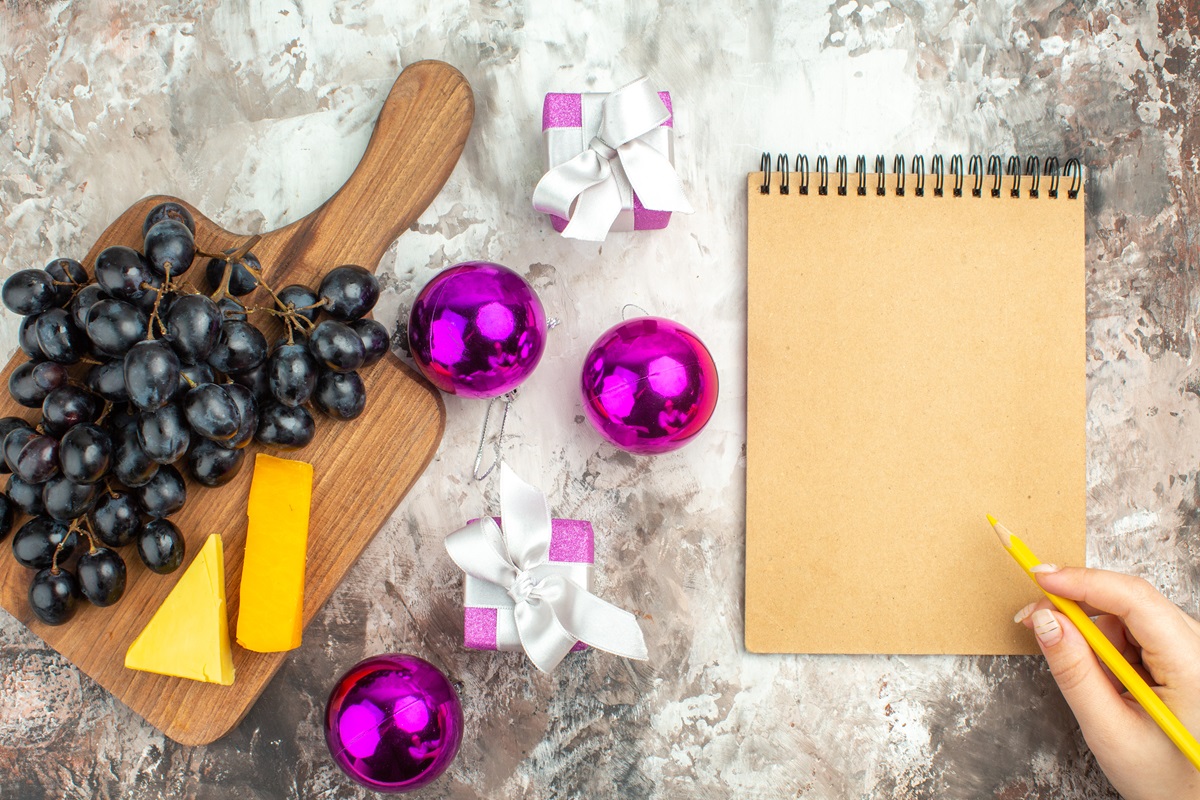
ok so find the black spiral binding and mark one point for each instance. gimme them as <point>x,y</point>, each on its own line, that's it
<point>997,169</point>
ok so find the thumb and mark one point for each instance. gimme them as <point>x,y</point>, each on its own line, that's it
<point>1098,706</point>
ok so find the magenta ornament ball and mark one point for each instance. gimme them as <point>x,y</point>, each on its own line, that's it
<point>393,723</point>
<point>477,329</point>
<point>649,385</point>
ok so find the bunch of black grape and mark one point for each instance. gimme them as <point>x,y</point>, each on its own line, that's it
<point>138,375</point>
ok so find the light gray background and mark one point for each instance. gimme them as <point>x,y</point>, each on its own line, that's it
<point>256,116</point>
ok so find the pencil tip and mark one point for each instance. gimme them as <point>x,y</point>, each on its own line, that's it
<point>1002,533</point>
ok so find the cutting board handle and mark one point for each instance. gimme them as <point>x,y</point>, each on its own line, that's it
<point>429,109</point>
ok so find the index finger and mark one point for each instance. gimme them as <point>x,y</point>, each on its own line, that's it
<point>1154,620</point>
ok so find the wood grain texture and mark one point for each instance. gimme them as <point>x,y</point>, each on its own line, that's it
<point>362,468</point>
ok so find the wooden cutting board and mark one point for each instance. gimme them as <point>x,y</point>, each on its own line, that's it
<point>362,468</point>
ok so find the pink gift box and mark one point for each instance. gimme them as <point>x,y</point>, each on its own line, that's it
<point>488,622</point>
<point>563,129</point>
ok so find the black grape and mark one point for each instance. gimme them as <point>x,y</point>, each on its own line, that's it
<point>27,496</point>
<point>302,299</point>
<point>161,546</point>
<point>35,541</point>
<point>375,339</point>
<point>284,427</point>
<point>58,337</point>
<point>257,380</point>
<point>37,462</point>
<point>164,494</point>
<point>65,500</point>
<point>231,309</point>
<point>152,285</point>
<point>32,381</point>
<point>151,374</point>
<point>7,426</point>
<point>169,244</point>
<point>168,210</point>
<point>53,595</point>
<point>116,518</point>
<point>69,276</point>
<point>114,326</point>
<point>191,375</point>
<point>101,575</point>
<point>85,453</point>
<point>108,381</point>
<point>122,271</point>
<point>66,407</point>
<point>82,304</point>
<point>28,291</point>
<point>15,441</point>
<point>27,337</point>
<point>132,465</point>
<point>211,412</point>
<point>8,509</point>
<point>247,407</point>
<point>240,347</point>
<point>241,282</point>
<point>212,464</point>
<point>349,292</point>
<point>193,325</point>
<point>163,434</point>
<point>340,395</point>
<point>292,372</point>
<point>123,416</point>
<point>337,347</point>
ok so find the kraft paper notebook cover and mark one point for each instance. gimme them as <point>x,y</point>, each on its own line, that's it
<point>915,361</point>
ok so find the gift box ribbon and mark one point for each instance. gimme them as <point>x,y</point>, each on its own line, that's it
<point>592,188</point>
<point>552,611</point>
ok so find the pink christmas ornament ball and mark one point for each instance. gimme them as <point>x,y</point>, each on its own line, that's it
<point>649,385</point>
<point>393,723</point>
<point>477,329</point>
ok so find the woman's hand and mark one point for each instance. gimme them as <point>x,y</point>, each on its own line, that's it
<point>1163,645</point>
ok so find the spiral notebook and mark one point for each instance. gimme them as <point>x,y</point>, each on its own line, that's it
<point>915,361</point>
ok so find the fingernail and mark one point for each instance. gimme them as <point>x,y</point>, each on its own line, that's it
<point>1041,569</point>
<point>1024,613</point>
<point>1046,627</point>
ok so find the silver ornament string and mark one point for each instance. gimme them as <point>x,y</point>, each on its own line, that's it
<point>625,308</point>
<point>507,399</point>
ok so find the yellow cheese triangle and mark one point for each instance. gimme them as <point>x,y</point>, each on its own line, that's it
<point>188,637</point>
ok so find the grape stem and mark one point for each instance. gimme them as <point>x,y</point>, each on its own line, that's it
<point>233,253</point>
<point>76,288</point>
<point>108,406</point>
<point>158,295</point>
<point>232,256</point>
<point>86,529</point>
<point>292,319</point>
<point>54,558</point>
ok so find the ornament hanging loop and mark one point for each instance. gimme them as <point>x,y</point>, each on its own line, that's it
<point>507,399</point>
<point>625,311</point>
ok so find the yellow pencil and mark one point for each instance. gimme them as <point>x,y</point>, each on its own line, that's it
<point>1105,651</point>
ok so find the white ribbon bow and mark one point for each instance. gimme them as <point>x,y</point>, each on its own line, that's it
<point>552,611</point>
<point>590,190</point>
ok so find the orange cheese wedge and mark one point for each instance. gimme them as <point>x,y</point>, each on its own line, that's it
<point>188,636</point>
<point>272,593</point>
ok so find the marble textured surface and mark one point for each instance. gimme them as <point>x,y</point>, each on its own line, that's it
<point>258,111</point>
